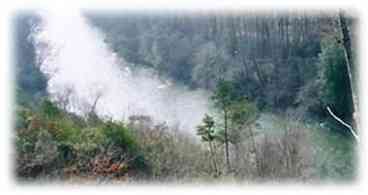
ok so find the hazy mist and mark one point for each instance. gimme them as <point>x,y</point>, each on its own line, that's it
<point>75,58</point>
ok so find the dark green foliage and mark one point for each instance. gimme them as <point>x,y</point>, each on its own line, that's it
<point>336,91</point>
<point>206,130</point>
<point>249,88</point>
<point>140,163</point>
<point>241,116</point>
<point>240,110</point>
<point>118,134</point>
<point>224,94</point>
<point>49,109</point>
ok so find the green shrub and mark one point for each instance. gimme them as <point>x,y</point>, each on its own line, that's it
<point>89,140</point>
<point>118,134</point>
<point>49,109</point>
<point>21,115</point>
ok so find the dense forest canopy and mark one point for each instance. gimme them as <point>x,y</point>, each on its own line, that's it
<point>273,58</point>
<point>268,77</point>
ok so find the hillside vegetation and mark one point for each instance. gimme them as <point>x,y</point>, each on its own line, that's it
<point>269,79</point>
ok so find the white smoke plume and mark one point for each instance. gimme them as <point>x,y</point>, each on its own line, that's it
<point>76,60</point>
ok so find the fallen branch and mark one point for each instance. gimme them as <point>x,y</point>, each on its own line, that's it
<point>343,123</point>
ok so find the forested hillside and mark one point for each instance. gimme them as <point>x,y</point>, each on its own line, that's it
<point>254,85</point>
<point>278,60</point>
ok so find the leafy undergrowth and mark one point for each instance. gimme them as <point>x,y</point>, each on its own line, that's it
<point>52,145</point>
<point>61,146</point>
<point>56,146</point>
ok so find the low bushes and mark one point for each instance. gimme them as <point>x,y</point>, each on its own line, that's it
<point>172,155</point>
<point>50,142</point>
<point>285,156</point>
<point>62,146</point>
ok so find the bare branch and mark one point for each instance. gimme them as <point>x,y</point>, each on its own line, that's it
<point>93,106</point>
<point>343,123</point>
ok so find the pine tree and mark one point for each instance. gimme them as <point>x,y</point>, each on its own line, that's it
<point>207,133</point>
<point>223,97</point>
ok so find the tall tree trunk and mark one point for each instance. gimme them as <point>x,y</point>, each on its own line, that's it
<point>213,157</point>
<point>262,80</point>
<point>228,167</point>
<point>218,172</point>
<point>349,65</point>
<point>254,150</point>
